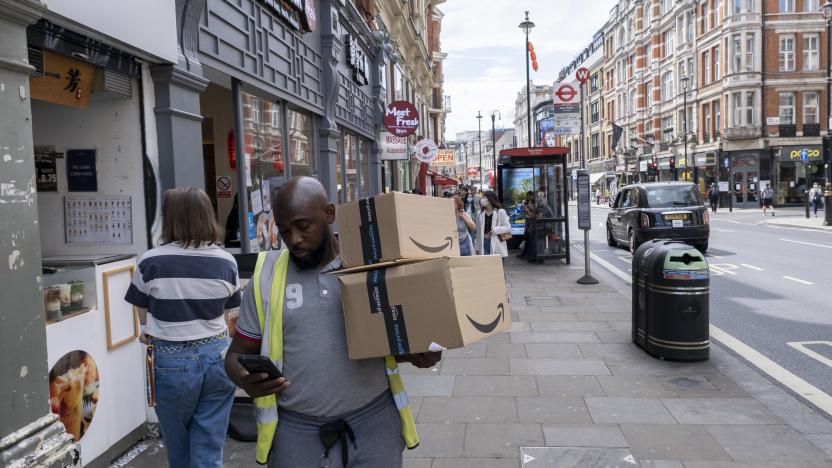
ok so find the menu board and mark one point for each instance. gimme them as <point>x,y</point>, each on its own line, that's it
<point>98,220</point>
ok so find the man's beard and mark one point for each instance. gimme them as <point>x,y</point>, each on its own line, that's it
<point>313,260</point>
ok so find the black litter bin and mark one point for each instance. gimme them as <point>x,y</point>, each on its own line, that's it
<point>671,286</point>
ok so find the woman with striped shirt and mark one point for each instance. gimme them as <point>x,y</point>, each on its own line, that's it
<point>182,290</point>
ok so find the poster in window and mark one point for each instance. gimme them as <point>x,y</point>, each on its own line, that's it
<point>46,172</point>
<point>81,173</point>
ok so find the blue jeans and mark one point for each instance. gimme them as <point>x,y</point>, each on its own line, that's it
<point>486,246</point>
<point>193,402</point>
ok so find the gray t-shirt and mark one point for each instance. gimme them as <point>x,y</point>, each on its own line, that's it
<point>324,381</point>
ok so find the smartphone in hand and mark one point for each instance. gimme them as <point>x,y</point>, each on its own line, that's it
<point>259,365</point>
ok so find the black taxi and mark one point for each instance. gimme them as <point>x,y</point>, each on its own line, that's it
<point>660,210</point>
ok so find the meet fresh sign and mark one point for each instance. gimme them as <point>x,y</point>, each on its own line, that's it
<point>401,118</point>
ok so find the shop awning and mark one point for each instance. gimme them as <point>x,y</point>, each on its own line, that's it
<point>595,176</point>
<point>442,180</point>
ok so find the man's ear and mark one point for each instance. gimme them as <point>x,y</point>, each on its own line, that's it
<point>330,213</point>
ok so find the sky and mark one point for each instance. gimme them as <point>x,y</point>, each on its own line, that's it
<point>486,67</point>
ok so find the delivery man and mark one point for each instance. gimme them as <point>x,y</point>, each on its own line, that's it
<point>328,410</point>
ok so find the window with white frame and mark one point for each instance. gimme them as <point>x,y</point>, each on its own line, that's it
<point>810,107</point>
<point>667,124</point>
<point>595,143</point>
<point>594,114</point>
<point>810,52</point>
<point>633,101</point>
<point>680,30</point>
<point>787,53</point>
<point>811,5</point>
<point>750,45</point>
<point>621,42</point>
<point>662,7</point>
<point>680,71</point>
<point>706,17</point>
<point>690,73</point>
<point>708,130</point>
<point>738,6</point>
<point>743,6</point>
<point>649,52</point>
<point>667,86</point>
<point>716,63</point>
<point>750,97</point>
<point>706,67</point>
<point>717,117</point>
<point>689,26</point>
<point>649,91</point>
<point>736,102</point>
<point>668,43</point>
<point>786,108</point>
<point>630,28</point>
<point>717,11</point>
<point>647,12</point>
<point>736,41</point>
<point>786,6</point>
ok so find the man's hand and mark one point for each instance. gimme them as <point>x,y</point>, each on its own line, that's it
<point>258,385</point>
<point>423,360</point>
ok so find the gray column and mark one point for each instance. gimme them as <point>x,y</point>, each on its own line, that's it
<point>29,433</point>
<point>329,134</point>
<point>178,119</point>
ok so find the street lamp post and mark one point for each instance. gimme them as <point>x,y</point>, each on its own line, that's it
<point>685,80</point>
<point>827,206</point>
<point>479,138</point>
<point>527,26</point>
<point>494,142</point>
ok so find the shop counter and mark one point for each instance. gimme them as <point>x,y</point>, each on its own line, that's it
<point>96,378</point>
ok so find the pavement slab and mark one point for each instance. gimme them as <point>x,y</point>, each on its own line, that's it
<point>765,443</point>
<point>719,411</point>
<point>628,410</point>
<point>634,386</point>
<point>468,409</point>
<point>549,410</point>
<point>439,440</point>
<point>551,366</point>
<point>494,350</point>
<point>569,386</point>
<point>584,435</point>
<point>672,442</point>
<point>429,385</point>
<point>501,440</point>
<point>502,385</point>
<point>552,350</point>
<point>475,366</point>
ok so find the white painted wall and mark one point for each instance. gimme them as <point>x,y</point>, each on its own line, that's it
<point>112,127</point>
<point>146,25</point>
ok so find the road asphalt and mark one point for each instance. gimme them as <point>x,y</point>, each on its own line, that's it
<point>771,286</point>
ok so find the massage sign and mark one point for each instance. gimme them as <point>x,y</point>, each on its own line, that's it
<point>401,118</point>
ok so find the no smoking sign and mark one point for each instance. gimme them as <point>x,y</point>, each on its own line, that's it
<point>223,187</point>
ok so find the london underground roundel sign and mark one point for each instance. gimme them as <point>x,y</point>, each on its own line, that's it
<point>401,118</point>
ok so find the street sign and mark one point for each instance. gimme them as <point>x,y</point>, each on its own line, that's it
<point>401,118</point>
<point>584,221</point>
<point>426,150</point>
<point>582,74</point>
<point>567,109</point>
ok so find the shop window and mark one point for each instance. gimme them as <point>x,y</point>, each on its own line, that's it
<point>364,160</point>
<point>350,168</point>
<point>787,108</point>
<point>301,143</point>
<point>263,137</point>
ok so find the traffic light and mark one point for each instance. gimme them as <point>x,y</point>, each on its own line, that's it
<point>532,56</point>
<point>673,163</point>
<point>653,168</point>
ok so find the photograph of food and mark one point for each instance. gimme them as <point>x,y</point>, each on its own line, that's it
<point>73,391</point>
<point>274,236</point>
<point>262,232</point>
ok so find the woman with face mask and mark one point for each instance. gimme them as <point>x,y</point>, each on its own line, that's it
<point>492,226</point>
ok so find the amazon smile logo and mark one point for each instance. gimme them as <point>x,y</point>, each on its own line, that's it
<point>488,327</point>
<point>449,242</point>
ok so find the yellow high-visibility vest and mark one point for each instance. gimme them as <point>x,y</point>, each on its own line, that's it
<point>271,328</point>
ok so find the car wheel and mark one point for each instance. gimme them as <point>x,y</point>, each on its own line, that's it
<point>633,244</point>
<point>703,247</point>
<point>610,239</point>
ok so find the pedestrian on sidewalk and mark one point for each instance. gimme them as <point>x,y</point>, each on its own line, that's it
<point>493,227</point>
<point>336,411</point>
<point>182,290</point>
<point>768,199</point>
<point>464,226</point>
<point>713,196</point>
<point>529,214</point>
<point>598,195</point>
<point>816,197</point>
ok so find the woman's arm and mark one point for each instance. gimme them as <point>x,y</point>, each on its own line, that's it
<point>503,226</point>
<point>468,221</point>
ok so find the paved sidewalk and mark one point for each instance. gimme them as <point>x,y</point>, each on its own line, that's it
<point>568,378</point>
<point>798,221</point>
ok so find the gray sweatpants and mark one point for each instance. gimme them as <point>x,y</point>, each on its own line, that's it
<point>378,438</point>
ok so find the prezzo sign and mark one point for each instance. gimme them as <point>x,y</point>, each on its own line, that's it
<point>401,118</point>
<point>358,61</point>
<point>296,13</point>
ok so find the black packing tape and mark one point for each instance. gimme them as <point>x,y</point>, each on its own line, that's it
<point>370,239</point>
<point>393,315</point>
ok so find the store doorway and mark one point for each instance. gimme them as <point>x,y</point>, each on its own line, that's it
<point>746,188</point>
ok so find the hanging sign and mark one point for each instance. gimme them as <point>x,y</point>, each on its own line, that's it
<point>566,109</point>
<point>401,118</point>
<point>65,81</point>
<point>392,148</point>
<point>426,150</point>
<point>81,174</point>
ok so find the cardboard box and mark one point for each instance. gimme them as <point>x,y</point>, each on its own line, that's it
<point>417,307</point>
<point>395,226</point>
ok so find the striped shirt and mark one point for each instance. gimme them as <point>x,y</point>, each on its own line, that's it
<point>185,291</point>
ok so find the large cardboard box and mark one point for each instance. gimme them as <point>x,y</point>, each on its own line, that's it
<point>395,226</point>
<point>426,305</point>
